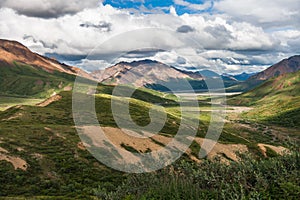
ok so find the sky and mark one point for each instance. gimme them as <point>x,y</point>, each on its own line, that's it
<point>227,36</point>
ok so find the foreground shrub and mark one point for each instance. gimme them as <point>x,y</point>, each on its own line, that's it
<point>273,178</point>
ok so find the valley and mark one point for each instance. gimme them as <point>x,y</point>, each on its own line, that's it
<point>42,156</point>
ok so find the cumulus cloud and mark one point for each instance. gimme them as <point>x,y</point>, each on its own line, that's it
<point>48,8</point>
<point>219,32</point>
<point>185,29</point>
<point>263,12</point>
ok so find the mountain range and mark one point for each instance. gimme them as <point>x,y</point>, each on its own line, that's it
<point>22,69</point>
<point>211,74</point>
<point>156,75</point>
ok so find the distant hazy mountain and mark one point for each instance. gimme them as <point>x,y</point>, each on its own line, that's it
<point>209,73</point>
<point>205,73</point>
<point>226,77</point>
<point>243,76</point>
<point>239,77</point>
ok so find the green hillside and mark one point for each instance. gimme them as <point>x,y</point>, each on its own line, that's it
<point>46,139</point>
<point>27,81</point>
<point>275,101</point>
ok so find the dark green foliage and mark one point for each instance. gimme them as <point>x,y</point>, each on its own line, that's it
<point>270,152</point>
<point>273,178</point>
<point>195,147</point>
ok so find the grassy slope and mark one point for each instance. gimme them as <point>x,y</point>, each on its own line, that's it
<point>64,169</point>
<point>275,101</point>
<point>27,81</point>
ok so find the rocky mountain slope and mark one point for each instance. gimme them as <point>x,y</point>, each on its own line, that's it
<point>12,52</point>
<point>157,76</point>
<point>141,73</point>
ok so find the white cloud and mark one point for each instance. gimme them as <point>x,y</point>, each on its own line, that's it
<point>248,37</point>
<point>48,8</point>
<point>173,11</point>
<point>93,65</point>
<point>287,36</point>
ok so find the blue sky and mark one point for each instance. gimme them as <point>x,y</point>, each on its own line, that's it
<point>181,6</point>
